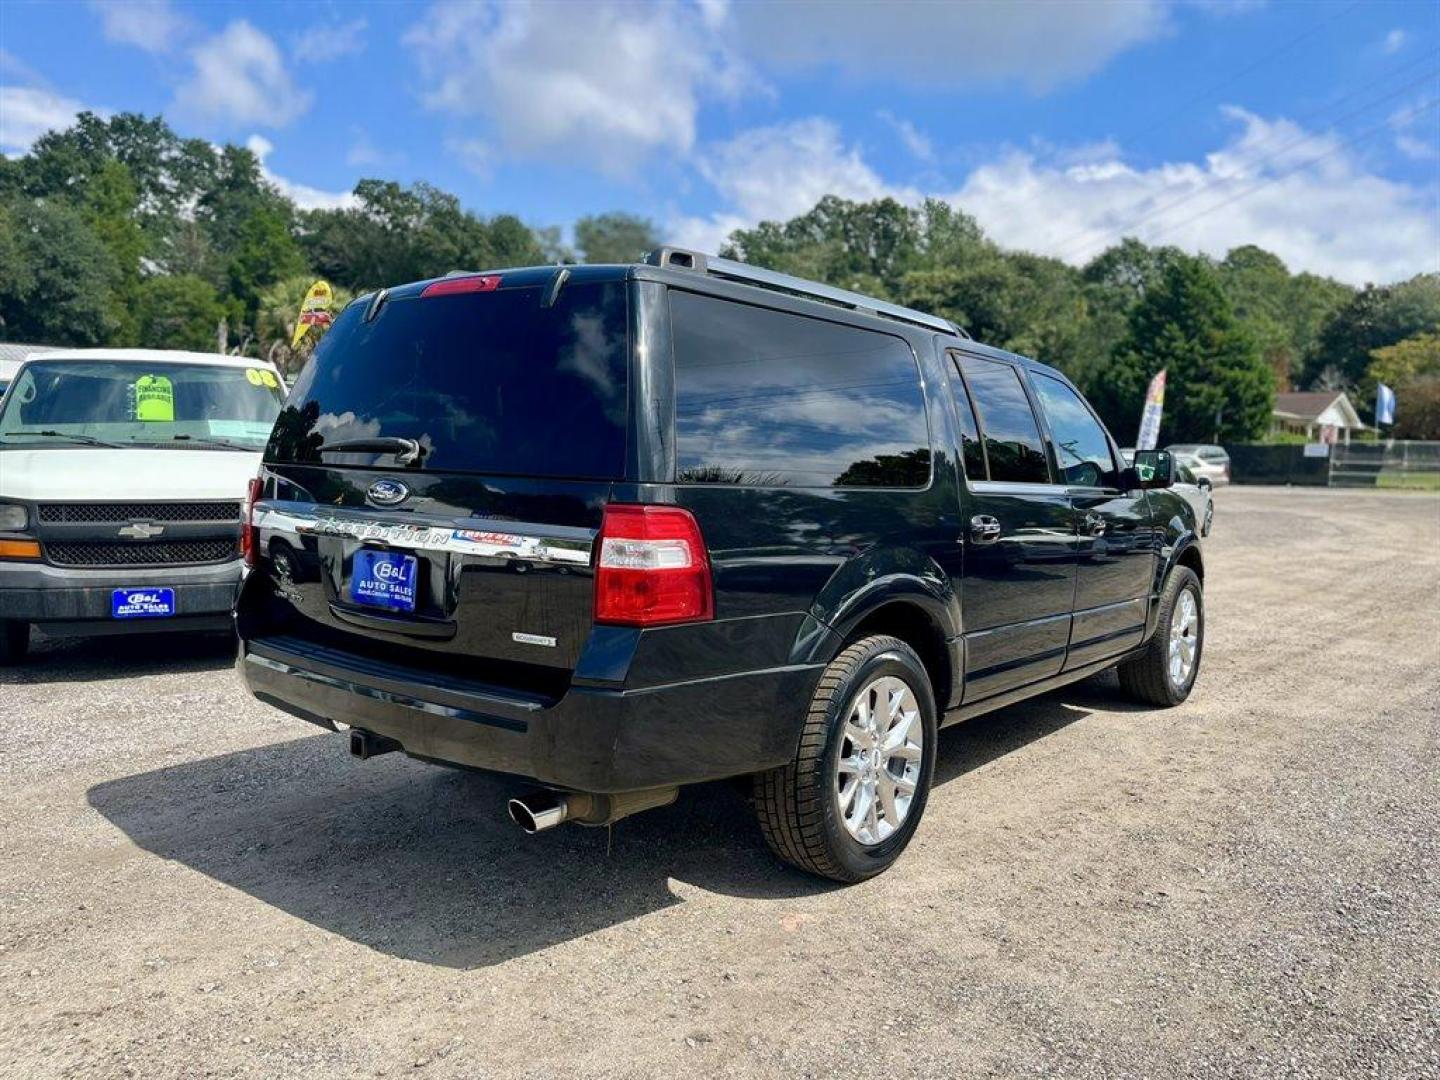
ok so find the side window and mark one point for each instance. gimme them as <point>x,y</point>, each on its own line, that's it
<point>971,451</point>
<point>1081,447</point>
<point>767,398</point>
<point>1007,423</point>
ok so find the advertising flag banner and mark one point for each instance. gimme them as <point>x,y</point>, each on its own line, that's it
<point>1150,418</point>
<point>1384,404</point>
<point>314,311</point>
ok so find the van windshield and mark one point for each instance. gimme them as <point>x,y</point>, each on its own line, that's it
<point>488,382</point>
<point>125,403</point>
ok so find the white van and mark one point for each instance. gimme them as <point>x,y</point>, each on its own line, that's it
<point>122,473</point>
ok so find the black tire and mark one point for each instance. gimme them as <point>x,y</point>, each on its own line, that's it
<point>1147,677</point>
<point>14,642</point>
<point>799,817</point>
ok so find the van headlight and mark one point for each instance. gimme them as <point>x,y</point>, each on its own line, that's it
<point>13,518</point>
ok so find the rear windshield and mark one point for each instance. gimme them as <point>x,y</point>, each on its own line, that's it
<point>136,403</point>
<point>486,382</point>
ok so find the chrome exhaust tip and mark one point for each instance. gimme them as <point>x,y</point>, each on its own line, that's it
<point>538,811</point>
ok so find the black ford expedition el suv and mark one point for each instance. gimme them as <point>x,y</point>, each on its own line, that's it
<point>618,529</point>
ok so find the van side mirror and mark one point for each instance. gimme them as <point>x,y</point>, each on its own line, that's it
<point>1152,469</point>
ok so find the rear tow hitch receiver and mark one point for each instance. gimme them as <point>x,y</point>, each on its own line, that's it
<point>366,744</point>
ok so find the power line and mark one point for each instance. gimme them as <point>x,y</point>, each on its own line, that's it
<point>1417,111</point>
<point>1069,247</point>
<point>1254,65</point>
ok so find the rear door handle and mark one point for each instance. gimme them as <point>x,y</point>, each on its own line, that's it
<point>984,529</point>
<point>1094,525</point>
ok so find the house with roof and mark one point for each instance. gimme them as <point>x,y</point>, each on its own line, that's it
<point>1320,415</point>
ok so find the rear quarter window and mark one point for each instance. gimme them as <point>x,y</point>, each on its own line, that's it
<point>768,398</point>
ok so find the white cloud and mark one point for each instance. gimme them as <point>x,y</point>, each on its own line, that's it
<point>324,42</point>
<point>1420,117</point>
<point>302,195</point>
<point>774,173</point>
<point>908,41</point>
<point>12,66</point>
<point>26,113</point>
<point>911,137</point>
<point>1331,217</point>
<point>1394,41</point>
<point>1264,186</point>
<point>152,25</point>
<point>602,84</point>
<point>477,155</point>
<point>241,78</point>
<point>363,152</point>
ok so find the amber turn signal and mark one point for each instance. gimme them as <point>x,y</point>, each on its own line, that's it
<point>19,549</point>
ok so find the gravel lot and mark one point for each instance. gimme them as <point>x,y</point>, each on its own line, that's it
<point>192,884</point>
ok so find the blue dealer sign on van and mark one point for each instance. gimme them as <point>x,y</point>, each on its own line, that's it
<point>142,603</point>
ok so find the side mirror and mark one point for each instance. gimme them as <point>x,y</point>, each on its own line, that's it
<point>1153,469</point>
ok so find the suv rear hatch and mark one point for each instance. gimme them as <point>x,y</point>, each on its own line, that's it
<point>433,487</point>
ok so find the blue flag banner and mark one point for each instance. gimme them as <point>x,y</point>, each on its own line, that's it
<point>1384,404</point>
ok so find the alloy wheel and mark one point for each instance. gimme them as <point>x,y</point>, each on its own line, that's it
<point>1184,638</point>
<point>881,753</point>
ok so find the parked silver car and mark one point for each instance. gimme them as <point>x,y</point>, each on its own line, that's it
<point>1197,490</point>
<point>1205,460</point>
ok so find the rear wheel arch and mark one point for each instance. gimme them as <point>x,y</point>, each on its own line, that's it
<point>910,622</point>
<point>1189,556</point>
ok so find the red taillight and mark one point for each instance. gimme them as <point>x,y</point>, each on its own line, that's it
<point>652,567</point>
<point>249,534</point>
<point>467,284</point>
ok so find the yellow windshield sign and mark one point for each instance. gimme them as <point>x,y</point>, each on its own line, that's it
<point>154,400</point>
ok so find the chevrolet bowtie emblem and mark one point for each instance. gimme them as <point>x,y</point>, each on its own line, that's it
<point>140,531</point>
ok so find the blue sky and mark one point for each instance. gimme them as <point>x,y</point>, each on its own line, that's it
<point>1310,128</point>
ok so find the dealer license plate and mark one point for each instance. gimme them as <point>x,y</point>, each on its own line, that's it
<point>384,579</point>
<point>142,603</point>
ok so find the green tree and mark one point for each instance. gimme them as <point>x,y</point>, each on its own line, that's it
<point>56,291</point>
<point>1374,317</point>
<point>179,312</point>
<point>1417,408</point>
<point>264,252</point>
<point>109,207</point>
<point>1406,360</point>
<point>616,237</point>
<point>868,247</point>
<point>1218,384</point>
<point>1257,284</point>
<point>397,234</point>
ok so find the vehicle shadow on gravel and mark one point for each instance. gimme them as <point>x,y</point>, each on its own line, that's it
<point>120,656</point>
<point>422,863</point>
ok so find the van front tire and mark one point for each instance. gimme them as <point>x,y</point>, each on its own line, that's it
<point>848,804</point>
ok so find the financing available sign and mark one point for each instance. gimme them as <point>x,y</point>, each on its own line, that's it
<point>1150,418</point>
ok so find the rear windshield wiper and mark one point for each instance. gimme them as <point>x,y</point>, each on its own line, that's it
<point>406,451</point>
<point>221,443</point>
<point>87,440</point>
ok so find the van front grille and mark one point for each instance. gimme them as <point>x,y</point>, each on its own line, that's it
<point>155,553</point>
<point>106,513</point>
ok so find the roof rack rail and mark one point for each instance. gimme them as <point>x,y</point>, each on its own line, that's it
<point>731,270</point>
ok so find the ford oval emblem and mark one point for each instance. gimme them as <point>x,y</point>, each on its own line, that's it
<point>387,493</point>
